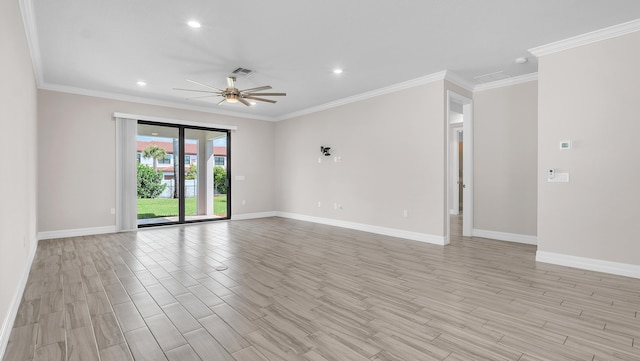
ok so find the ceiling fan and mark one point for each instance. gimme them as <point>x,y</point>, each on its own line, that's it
<point>232,95</point>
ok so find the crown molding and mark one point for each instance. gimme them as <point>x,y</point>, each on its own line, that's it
<point>31,32</point>
<point>588,38</point>
<point>459,81</point>
<point>370,94</point>
<point>506,82</point>
<point>142,100</point>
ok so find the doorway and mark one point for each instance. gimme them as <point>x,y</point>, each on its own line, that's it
<point>460,164</point>
<point>183,174</point>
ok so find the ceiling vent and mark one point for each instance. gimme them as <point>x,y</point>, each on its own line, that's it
<point>244,72</point>
<point>487,78</point>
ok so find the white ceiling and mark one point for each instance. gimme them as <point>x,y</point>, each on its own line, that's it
<point>105,47</point>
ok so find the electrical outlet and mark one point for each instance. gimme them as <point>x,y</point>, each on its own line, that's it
<point>559,178</point>
<point>406,213</point>
<point>113,211</point>
<point>244,202</point>
<point>319,204</point>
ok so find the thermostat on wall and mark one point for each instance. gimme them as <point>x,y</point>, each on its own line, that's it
<point>565,144</point>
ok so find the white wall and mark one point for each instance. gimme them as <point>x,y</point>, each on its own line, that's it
<point>18,148</point>
<point>589,95</point>
<point>77,192</point>
<point>505,159</point>
<point>392,150</point>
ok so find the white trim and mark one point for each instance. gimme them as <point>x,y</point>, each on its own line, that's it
<point>467,128</point>
<point>453,166</point>
<point>7,325</point>
<point>370,94</point>
<point>393,232</point>
<point>506,82</point>
<point>143,100</point>
<point>592,264</point>
<point>30,29</point>
<point>459,81</point>
<point>240,217</point>
<point>503,236</point>
<point>172,121</point>
<point>588,38</point>
<point>76,232</point>
<point>467,172</point>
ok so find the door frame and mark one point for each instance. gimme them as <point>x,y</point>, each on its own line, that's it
<point>467,155</point>
<point>179,180</point>
<point>456,129</point>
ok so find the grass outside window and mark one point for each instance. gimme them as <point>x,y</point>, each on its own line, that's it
<point>168,207</point>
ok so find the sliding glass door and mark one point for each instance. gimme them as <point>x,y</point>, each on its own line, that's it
<point>183,174</point>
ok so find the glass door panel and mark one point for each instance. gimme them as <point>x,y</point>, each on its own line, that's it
<point>157,148</point>
<point>206,174</point>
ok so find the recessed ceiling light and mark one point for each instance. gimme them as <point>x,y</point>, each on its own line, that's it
<point>521,60</point>
<point>337,71</point>
<point>194,24</point>
<point>141,83</point>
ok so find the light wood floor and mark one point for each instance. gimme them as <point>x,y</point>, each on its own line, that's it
<point>301,291</point>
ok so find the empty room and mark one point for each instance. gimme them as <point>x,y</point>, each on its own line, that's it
<point>322,181</point>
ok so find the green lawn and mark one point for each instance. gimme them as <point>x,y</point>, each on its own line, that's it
<point>168,207</point>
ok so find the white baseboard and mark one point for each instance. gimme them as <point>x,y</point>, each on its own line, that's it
<point>509,237</point>
<point>393,232</point>
<point>112,229</point>
<point>240,217</point>
<point>591,264</point>
<point>7,325</point>
<point>76,232</point>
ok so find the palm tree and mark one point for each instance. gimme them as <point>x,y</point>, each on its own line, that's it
<point>155,152</point>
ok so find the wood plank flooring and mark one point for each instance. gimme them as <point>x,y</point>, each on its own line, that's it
<point>277,289</point>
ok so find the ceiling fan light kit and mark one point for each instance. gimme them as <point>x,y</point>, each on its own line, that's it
<point>232,95</point>
<point>232,98</point>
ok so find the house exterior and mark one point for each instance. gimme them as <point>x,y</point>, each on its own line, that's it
<point>191,156</point>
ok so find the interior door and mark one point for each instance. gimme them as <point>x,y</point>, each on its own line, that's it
<point>465,106</point>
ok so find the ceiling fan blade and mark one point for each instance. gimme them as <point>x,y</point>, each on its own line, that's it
<point>199,91</point>
<point>269,94</point>
<point>204,96</point>
<point>244,102</point>
<point>260,99</point>
<point>204,85</point>
<point>222,101</point>
<point>256,89</point>
<point>231,82</point>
